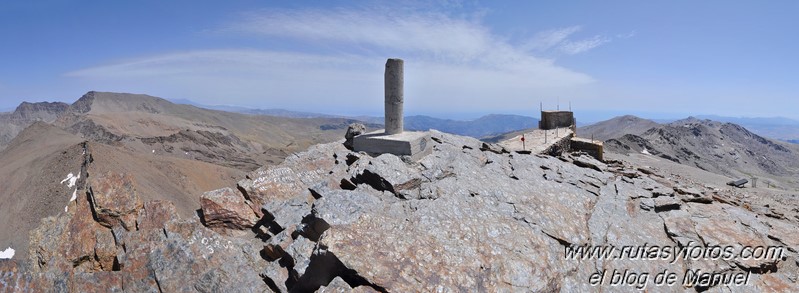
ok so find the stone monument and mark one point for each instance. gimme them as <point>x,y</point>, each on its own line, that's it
<point>394,90</point>
<point>393,139</point>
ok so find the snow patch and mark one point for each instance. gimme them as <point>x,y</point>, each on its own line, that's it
<point>71,179</point>
<point>8,253</point>
<point>153,151</point>
<point>645,152</point>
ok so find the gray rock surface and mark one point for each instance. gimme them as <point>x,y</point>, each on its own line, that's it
<point>353,130</point>
<point>471,220</point>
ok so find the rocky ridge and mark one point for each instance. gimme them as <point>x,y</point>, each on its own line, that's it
<point>616,127</point>
<point>26,114</point>
<point>468,217</point>
<point>43,111</point>
<point>722,148</point>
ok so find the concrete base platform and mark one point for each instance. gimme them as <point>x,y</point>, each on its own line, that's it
<point>540,141</point>
<point>413,144</point>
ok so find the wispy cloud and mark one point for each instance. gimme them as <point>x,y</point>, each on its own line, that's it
<point>547,39</point>
<point>446,57</point>
<point>562,40</point>
<point>581,46</point>
<point>430,33</point>
<point>627,35</point>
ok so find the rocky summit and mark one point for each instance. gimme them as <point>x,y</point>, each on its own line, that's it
<point>471,217</point>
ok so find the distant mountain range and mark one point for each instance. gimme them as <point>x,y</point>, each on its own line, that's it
<point>752,120</point>
<point>781,128</point>
<point>492,124</point>
<point>12,123</point>
<point>487,125</point>
<point>719,147</point>
<point>245,110</point>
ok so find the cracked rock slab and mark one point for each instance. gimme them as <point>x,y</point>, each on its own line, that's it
<point>114,200</point>
<point>227,208</point>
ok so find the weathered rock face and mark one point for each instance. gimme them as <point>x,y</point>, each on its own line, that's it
<point>114,200</point>
<point>468,217</point>
<point>86,251</point>
<point>155,213</point>
<point>227,208</point>
<point>353,130</point>
<point>43,111</point>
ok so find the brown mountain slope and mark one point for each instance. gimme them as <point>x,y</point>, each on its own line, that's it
<point>162,177</point>
<point>146,124</point>
<point>40,158</point>
<point>174,152</point>
<point>617,127</point>
<point>32,169</point>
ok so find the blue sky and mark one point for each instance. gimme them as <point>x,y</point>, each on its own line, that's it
<point>653,58</point>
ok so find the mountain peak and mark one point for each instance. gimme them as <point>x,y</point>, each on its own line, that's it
<point>617,127</point>
<point>628,117</point>
<point>42,111</point>
<point>84,103</point>
<point>95,101</point>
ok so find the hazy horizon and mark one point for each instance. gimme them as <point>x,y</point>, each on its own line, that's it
<point>584,117</point>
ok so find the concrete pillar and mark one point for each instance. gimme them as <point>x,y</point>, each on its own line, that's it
<point>394,82</point>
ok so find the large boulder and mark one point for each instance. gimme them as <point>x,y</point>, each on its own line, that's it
<point>75,253</point>
<point>228,209</point>
<point>114,200</point>
<point>353,130</point>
